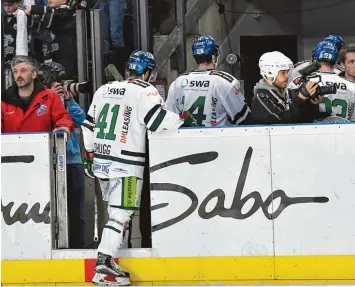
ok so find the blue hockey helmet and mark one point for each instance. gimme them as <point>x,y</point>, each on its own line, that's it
<point>326,51</point>
<point>141,61</point>
<point>204,46</point>
<point>336,40</point>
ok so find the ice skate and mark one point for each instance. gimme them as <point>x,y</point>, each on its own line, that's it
<point>109,273</point>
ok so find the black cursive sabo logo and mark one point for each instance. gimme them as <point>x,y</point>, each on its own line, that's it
<point>21,215</point>
<point>235,211</point>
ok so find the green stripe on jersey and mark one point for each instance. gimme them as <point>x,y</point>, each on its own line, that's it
<point>118,159</point>
<point>158,120</point>
<point>112,228</point>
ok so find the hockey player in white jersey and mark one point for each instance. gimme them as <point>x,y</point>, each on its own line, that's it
<point>327,66</point>
<point>213,97</point>
<point>341,103</point>
<point>336,40</point>
<point>114,138</point>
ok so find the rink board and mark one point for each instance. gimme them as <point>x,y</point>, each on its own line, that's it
<point>309,243</point>
<point>145,270</point>
<point>254,191</point>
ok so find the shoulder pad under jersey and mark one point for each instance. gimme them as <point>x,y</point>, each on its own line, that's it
<point>140,83</point>
<point>223,75</point>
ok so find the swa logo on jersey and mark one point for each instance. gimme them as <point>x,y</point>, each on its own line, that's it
<point>117,91</point>
<point>339,86</point>
<point>202,84</point>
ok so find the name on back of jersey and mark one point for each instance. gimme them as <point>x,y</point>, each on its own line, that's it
<point>214,112</point>
<point>223,75</point>
<point>102,148</point>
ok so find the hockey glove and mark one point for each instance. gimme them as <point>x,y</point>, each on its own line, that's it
<point>88,156</point>
<point>189,120</point>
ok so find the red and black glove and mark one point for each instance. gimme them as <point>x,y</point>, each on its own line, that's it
<point>188,119</point>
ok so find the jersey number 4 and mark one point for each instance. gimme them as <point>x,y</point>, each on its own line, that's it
<point>199,105</point>
<point>102,123</point>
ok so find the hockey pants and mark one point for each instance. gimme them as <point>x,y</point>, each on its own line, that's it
<point>123,196</point>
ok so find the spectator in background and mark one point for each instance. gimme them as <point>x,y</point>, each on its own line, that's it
<point>54,26</point>
<point>28,106</point>
<point>347,60</point>
<point>50,72</point>
<point>75,174</point>
<point>114,11</point>
<point>15,36</point>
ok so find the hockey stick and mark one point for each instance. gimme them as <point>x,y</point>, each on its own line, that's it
<point>112,70</point>
<point>96,226</point>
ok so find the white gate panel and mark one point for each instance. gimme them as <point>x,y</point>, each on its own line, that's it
<point>25,196</point>
<point>315,167</point>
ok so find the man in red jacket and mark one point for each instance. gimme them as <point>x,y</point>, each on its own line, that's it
<point>28,106</point>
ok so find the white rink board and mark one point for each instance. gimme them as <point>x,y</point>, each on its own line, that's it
<point>302,228</point>
<point>28,184</point>
<point>323,165</point>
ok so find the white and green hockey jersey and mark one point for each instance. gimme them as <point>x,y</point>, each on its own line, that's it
<point>116,125</point>
<point>213,98</point>
<point>341,104</point>
<point>294,75</point>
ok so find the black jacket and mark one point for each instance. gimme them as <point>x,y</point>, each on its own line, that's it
<point>9,39</point>
<point>273,106</point>
<point>55,29</point>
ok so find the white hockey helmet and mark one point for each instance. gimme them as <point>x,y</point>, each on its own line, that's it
<point>272,62</point>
